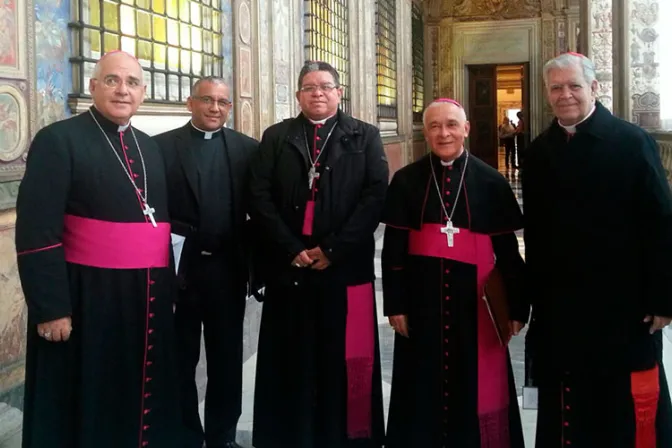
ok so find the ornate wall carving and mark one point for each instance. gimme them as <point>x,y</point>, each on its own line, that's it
<point>475,10</point>
<point>246,66</point>
<point>644,56</point>
<point>445,66</point>
<point>434,51</point>
<point>601,49</point>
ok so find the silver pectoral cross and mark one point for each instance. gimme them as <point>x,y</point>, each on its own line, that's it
<point>312,175</point>
<point>149,211</point>
<point>450,232</point>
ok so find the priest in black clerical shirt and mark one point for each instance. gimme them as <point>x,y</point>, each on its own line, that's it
<point>206,166</point>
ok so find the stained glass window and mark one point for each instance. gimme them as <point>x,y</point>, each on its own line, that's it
<point>386,57</point>
<point>326,37</point>
<point>176,41</point>
<point>418,49</point>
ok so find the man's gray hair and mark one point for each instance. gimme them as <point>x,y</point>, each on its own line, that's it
<point>96,68</point>
<point>212,79</point>
<point>318,66</point>
<point>567,60</point>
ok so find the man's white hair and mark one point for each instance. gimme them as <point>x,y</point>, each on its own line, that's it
<point>567,60</point>
<point>436,103</point>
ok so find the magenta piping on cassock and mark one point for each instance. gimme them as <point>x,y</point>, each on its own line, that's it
<point>493,388</point>
<point>116,245</point>
<point>359,359</point>
<point>39,249</point>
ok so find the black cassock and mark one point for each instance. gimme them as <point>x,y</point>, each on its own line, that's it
<point>207,173</point>
<point>318,381</point>
<point>598,243</point>
<point>452,383</point>
<point>86,250</point>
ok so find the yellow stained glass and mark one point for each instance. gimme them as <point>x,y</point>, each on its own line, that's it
<point>128,2</point>
<point>207,20</point>
<point>173,58</point>
<point>127,22</point>
<point>92,12</point>
<point>207,42</point>
<point>144,24</point>
<point>173,32</point>
<point>184,10</point>
<point>195,13</point>
<point>172,8</point>
<point>215,4</point>
<point>185,35</point>
<point>111,16</point>
<point>142,4</point>
<point>144,50</point>
<point>111,42</point>
<point>128,45</point>
<point>197,63</point>
<point>159,32</point>
<point>92,38</point>
<point>185,61</point>
<point>216,22</point>
<point>159,56</point>
<point>159,6</point>
<point>196,39</point>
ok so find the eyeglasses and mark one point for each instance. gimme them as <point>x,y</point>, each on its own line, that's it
<point>113,81</point>
<point>209,101</point>
<point>326,88</point>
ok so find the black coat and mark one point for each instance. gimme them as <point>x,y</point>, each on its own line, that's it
<point>183,205</point>
<point>598,242</point>
<point>348,206</point>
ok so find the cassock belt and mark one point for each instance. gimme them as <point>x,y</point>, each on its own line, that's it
<point>116,245</point>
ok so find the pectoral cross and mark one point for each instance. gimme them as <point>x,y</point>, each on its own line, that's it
<point>149,211</point>
<point>450,232</point>
<point>312,175</point>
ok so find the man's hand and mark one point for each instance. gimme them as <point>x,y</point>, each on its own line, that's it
<point>657,322</point>
<point>400,324</point>
<point>321,260</point>
<point>56,330</point>
<point>302,260</point>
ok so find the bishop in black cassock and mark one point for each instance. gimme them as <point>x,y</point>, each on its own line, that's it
<point>450,219</point>
<point>598,241</point>
<point>318,381</point>
<point>93,244</point>
<point>207,168</point>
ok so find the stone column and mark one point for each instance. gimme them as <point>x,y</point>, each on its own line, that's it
<point>644,55</point>
<point>405,78</point>
<point>600,48</point>
<point>362,18</point>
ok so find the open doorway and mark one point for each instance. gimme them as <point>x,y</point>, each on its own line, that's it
<point>496,92</point>
<point>511,124</point>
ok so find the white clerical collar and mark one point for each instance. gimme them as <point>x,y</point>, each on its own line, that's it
<point>122,128</point>
<point>207,135</point>
<point>319,121</point>
<point>450,162</point>
<point>571,129</point>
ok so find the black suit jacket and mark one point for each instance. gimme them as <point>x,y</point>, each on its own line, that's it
<point>183,201</point>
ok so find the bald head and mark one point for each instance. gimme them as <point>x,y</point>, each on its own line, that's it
<point>117,86</point>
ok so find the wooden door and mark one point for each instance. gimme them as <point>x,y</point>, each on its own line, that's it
<point>483,141</point>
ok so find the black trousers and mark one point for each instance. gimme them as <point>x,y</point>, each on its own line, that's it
<point>214,302</point>
<point>510,152</point>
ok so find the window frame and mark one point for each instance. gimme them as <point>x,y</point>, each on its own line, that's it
<point>386,66</point>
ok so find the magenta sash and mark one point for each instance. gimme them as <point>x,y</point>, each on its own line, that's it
<point>493,376</point>
<point>359,357</point>
<point>115,245</point>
